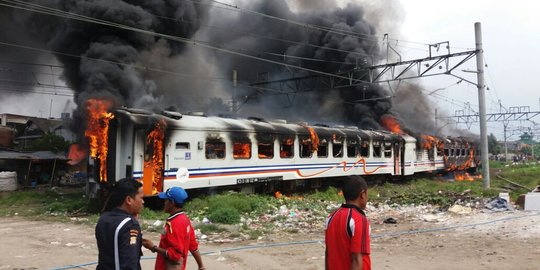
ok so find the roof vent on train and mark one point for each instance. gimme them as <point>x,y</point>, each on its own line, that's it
<point>321,125</point>
<point>303,123</point>
<point>226,115</point>
<point>171,114</point>
<point>258,119</point>
<point>196,114</point>
<point>352,127</point>
<point>339,126</point>
<point>278,121</point>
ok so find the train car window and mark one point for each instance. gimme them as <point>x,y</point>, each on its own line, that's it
<point>215,150</point>
<point>352,149</point>
<point>241,150</point>
<point>364,149</point>
<point>387,150</point>
<point>182,146</point>
<point>266,150</point>
<point>337,149</point>
<point>322,148</point>
<point>306,147</point>
<point>286,148</point>
<point>452,152</point>
<point>463,152</point>
<point>446,151</point>
<point>377,149</point>
<point>431,154</point>
<point>439,152</point>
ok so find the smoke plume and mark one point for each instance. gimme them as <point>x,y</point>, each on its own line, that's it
<point>140,70</point>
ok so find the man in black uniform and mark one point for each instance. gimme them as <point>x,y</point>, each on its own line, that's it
<point>118,232</point>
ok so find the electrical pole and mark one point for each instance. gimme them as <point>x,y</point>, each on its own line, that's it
<point>482,103</point>
<point>234,107</point>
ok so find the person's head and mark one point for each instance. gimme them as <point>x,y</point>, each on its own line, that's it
<point>174,199</point>
<point>128,195</point>
<point>355,190</point>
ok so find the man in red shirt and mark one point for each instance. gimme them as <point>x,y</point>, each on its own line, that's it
<point>178,236</point>
<point>347,230</point>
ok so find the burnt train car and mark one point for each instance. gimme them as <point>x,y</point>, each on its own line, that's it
<point>197,151</point>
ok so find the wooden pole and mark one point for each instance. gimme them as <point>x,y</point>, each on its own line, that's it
<point>52,173</point>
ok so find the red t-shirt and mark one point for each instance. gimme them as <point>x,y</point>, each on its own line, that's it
<point>347,231</point>
<point>178,238</point>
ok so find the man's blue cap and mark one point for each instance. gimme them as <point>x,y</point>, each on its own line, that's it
<point>176,194</point>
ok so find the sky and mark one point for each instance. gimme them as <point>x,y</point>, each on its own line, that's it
<point>511,33</point>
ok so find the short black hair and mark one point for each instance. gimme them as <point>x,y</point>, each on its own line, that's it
<point>123,188</point>
<point>353,186</point>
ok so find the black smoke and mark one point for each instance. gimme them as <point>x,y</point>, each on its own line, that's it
<point>121,65</point>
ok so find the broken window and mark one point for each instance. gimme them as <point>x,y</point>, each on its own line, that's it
<point>377,149</point>
<point>286,147</point>
<point>215,150</point>
<point>352,148</point>
<point>265,145</point>
<point>387,149</point>
<point>446,151</point>
<point>364,149</point>
<point>306,147</point>
<point>241,150</point>
<point>463,152</point>
<point>431,154</point>
<point>322,150</point>
<point>337,149</point>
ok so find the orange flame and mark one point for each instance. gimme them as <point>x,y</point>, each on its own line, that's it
<point>462,176</point>
<point>155,167</point>
<point>241,150</point>
<point>314,138</point>
<point>391,124</point>
<point>97,132</point>
<point>428,142</point>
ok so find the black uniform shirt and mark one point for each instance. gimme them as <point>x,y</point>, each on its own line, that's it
<point>119,241</point>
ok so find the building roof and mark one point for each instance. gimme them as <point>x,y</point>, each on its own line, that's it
<point>39,155</point>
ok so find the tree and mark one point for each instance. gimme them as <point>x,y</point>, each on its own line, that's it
<point>49,142</point>
<point>493,145</point>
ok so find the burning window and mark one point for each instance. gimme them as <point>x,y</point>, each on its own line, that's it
<point>215,150</point>
<point>306,148</point>
<point>322,149</point>
<point>182,146</point>
<point>364,149</point>
<point>431,154</point>
<point>265,145</point>
<point>446,151</point>
<point>241,150</point>
<point>377,149</point>
<point>286,147</point>
<point>387,149</point>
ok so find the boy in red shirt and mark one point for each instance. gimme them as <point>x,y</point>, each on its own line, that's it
<point>178,236</point>
<point>347,230</point>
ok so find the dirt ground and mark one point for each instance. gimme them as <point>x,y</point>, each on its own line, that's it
<point>508,240</point>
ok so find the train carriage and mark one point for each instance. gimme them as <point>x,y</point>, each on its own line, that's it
<point>196,151</point>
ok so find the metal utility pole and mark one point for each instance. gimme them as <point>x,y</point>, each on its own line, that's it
<point>482,104</point>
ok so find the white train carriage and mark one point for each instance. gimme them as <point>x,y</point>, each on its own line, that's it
<point>203,152</point>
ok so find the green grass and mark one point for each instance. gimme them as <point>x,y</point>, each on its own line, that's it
<point>527,175</point>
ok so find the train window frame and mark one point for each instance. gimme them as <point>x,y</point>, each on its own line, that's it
<point>377,153</point>
<point>446,152</point>
<point>266,144</point>
<point>286,148</point>
<point>236,156</point>
<point>183,146</point>
<point>364,146</point>
<point>220,154</point>
<point>305,147</point>
<point>463,152</point>
<point>387,150</point>
<point>323,144</point>
<point>352,145</point>
<point>339,147</point>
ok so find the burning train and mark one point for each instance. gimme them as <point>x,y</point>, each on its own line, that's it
<point>198,151</point>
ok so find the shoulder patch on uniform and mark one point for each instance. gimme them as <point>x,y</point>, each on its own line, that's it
<point>133,240</point>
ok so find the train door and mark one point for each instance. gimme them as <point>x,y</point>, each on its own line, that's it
<point>398,158</point>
